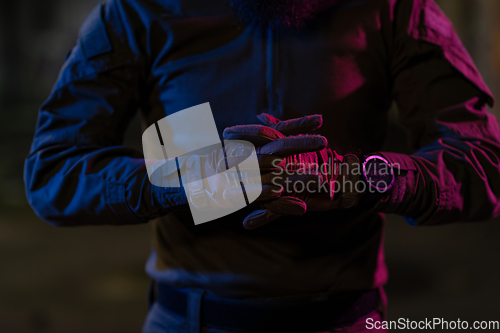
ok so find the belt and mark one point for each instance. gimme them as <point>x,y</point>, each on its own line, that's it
<point>241,315</point>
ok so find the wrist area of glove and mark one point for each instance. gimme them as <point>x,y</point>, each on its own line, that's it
<point>323,162</point>
<point>164,199</point>
<point>399,196</point>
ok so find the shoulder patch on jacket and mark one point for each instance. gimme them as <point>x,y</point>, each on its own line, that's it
<point>93,36</point>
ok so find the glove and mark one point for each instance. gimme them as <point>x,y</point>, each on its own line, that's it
<point>325,194</point>
<point>273,149</point>
<point>213,177</point>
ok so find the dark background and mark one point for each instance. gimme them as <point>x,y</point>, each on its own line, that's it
<point>90,279</point>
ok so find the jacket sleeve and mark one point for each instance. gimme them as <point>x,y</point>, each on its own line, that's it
<point>78,172</point>
<point>454,175</point>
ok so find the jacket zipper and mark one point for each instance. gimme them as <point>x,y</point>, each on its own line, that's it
<point>272,73</point>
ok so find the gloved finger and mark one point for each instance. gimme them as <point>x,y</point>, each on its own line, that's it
<point>322,202</point>
<point>295,126</point>
<point>292,145</point>
<point>267,119</point>
<point>286,205</point>
<point>265,163</point>
<point>271,185</point>
<point>292,180</point>
<point>269,192</point>
<point>273,129</point>
<point>259,218</point>
<point>302,161</point>
<point>256,134</point>
<point>275,209</point>
<point>270,162</point>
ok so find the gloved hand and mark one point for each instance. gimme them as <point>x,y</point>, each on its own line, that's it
<point>212,176</point>
<point>332,172</point>
<point>273,149</point>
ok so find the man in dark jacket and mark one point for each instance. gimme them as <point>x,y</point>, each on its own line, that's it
<point>345,60</point>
